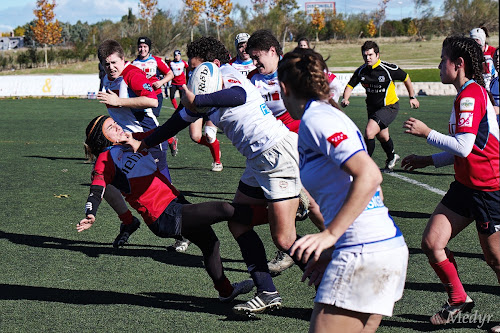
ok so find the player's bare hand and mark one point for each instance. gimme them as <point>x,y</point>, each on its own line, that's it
<point>156,85</point>
<point>86,223</point>
<point>344,103</point>
<point>416,127</point>
<point>414,103</point>
<point>311,246</point>
<point>108,97</point>
<point>188,99</point>
<point>412,162</point>
<point>315,269</point>
<point>135,145</point>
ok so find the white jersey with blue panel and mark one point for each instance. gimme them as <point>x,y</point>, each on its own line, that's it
<point>243,66</point>
<point>269,88</point>
<point>327,139</point>
<point>251,127</point>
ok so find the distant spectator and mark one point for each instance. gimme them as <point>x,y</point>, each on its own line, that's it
<point>303,43</point>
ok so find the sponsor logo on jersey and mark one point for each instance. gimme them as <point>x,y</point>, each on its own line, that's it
<point>265,110</point>
<point>465,119</point>
<point>337,138</point>
<point>233,81</point>
<point>467,104</point>
<point>147,87</point>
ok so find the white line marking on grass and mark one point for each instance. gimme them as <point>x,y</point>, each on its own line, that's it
<point>415,182</point>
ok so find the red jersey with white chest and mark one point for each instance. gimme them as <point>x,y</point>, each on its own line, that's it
<point>153,66</point>
<point>136,175</point>
<point>473,113</point>
<point>178,70</point>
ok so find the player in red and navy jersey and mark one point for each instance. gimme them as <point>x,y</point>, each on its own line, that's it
<point>242,61</point>
<point>377,77</point>
<point>148,191</point>
<point>153,66</point>
<point>473,148</point>
<point>178,67</point>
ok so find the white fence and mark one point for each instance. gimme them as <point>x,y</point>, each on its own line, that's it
<point>87,85</point>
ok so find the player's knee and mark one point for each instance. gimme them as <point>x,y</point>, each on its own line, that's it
<point>283,242</point>
<point>196,137</point>
<point>211,133</point>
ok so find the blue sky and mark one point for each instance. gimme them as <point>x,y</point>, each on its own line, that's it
<point>18,12</point>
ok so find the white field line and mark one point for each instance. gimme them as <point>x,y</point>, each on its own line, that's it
<point>415,182</point>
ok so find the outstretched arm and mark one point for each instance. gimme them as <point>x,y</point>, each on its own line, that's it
<point>93,201</point>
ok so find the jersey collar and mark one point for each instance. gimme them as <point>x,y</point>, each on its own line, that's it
<point>376,64</point>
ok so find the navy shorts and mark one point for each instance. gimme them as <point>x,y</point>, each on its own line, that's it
<point>169,224</point>
<point>385,115</point>
<point>482,206</point>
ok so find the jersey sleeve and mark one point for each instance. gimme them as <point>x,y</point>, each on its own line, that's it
<point>353,82</point>
<point>337,139</point>
<point>162,66</point>
<point>469,110</point>
<point>104,170</point>
<point>139,83</point>
<point>400,75</point>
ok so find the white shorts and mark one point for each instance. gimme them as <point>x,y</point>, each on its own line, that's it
<point>365,282</point>
<point>276,170</point>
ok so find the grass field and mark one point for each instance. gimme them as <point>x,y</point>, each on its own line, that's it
<point>53,279</point>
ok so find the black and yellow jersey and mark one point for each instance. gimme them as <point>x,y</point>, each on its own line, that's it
<point>378,81</point>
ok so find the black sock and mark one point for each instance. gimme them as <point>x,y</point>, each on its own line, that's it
<point>370,146</point>
<point>388,147</point>
<point>254,255</point>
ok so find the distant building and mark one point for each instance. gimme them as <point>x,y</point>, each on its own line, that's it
<point>323,6</point>
<point>9,43</point>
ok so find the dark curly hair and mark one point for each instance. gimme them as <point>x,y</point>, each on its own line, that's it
<point>304,72</point>
<point>95,141</point>
<point>208,49</point>
<point>467,48</point>
<point>262,40</point>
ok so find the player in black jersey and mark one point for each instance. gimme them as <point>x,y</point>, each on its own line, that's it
<point>377,77</point>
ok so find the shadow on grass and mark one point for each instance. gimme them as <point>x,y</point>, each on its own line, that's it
<point>166,301</point>
<point>410,215</point>
<point>207,195</point>
<point>53,158</point>
<point>480,256</point>
<point>204,168</point>
<point>95,249</point>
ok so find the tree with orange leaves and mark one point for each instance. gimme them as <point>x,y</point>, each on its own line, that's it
<point>218,12</point>
<point>47,31</point>
<point>371,28</point>
<point>317,21</point>
<point>148,10</point>
<point>194,10</point>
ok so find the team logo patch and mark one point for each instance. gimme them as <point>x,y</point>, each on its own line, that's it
<point>283,184</point>
<point>381,78</point>
<point>147,87</point>
<point>337,138</point>
<point>467,104</point>
<point>465,119</point>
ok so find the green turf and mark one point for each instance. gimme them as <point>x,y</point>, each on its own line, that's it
<point>53,279</point>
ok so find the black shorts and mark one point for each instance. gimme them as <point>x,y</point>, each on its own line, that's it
<point>482,206</point>
<point>385,115</point>
<point>173,88</point>
<point>169,224</point>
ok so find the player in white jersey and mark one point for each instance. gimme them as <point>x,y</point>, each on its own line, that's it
<point>242,62</point>
<point>361,243</point>
<point>266,51</point>
<point>241,113</point>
